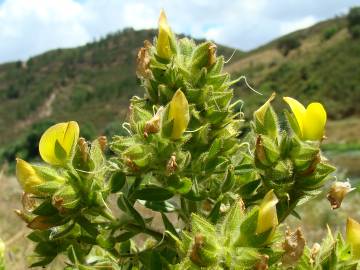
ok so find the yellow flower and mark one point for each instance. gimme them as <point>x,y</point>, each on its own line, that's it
<point>353,237</point>
<point>311,120</point>
<point>179,113</point>
<point>27,176</point>
<point>163,45</point>
<point>267,217</point>
<point>57,143</point>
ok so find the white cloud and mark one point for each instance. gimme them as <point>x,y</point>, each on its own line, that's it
<point>29,27</point>
<point>287,27</point>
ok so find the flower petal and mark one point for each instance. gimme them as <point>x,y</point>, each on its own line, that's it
<point>57,142</point>
<point>267,217</point>
<point>314,122</point>
<point>27,176</point>
<point>298,109</point>
<point>163,40</point>
<point>179,112</point>
<point>353,237</point>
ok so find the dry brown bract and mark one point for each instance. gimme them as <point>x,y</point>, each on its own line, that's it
<point>143,61</point>
<point>293,246</point>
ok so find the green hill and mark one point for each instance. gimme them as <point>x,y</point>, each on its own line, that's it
<point>92,84</point>
<point>324,66</point>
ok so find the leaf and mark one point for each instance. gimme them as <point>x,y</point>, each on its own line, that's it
<point>45,209</point>
<point>152,193</point>
<point>160,206</point>
<point>117,181</point>
<point>179,185</point>
<point>168,225</point>
<point>125,205</point>
<point>61,231</point>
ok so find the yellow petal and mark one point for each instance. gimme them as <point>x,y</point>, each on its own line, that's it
<point>260,113</point>
<point>163,46</point>
<point>314,122</point>
<point>27,176</point>
<point>298,109</point>
<point>179,112</point>
<point>353,237</point>
<point>57,143</point>
<point>267,217</point>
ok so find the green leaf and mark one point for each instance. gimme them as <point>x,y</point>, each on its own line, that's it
<point>168,225</point>
<point>179,185</point>
<point>117,181</point>
<point>152,193</point>
<point>61,231</point>
<point>160,206</point>
<point>45,209</point>
<point>214,215</point>
<point>125,205</point>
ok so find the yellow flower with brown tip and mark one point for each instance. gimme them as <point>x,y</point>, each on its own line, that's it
<point>57,143</point>
<point>27,176</point>
<point>311,120</point>
<point>163,44</point>
<point>179,113</point>
<point>353,237</point>
<point>267,217</point>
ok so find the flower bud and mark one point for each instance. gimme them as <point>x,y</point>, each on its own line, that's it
<point>153,125</point>
<point>204,251</point>
<point>311,121</point>
<point>337,193</point>
<point>27,177</point>
<point>163,44</point>
<point>57,143</point>
<point>353,237</point>
<point>260,113</point>
<point>267,217</point>
<point>266,152</point>
<point>179,113</point>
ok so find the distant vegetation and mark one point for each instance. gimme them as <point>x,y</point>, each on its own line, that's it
<point>287,44</point>
<point>354,22</point>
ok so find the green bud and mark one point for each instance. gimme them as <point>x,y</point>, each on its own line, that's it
<point>266,152</point>
<point>204,251</point>
<point>165,38</point>
<point>204,55</point>
<point>265,119</point>
<point>65,199</point>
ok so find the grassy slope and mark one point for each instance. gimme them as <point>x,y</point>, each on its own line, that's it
<point>323,70</point>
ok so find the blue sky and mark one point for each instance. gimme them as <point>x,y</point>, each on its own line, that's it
<point>30,27</point>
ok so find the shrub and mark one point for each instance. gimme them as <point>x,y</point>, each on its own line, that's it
<point>287,44</point>
<point>354,22</point>
<point>329,33</point>
<point>220,198</point>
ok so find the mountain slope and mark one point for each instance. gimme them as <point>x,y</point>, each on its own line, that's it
<point>325,67</point>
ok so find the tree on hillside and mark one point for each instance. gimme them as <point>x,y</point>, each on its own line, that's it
<point>354,22</point>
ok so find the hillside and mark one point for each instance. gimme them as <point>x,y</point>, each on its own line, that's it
<point>325,67</point>
<point>92,83</point>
